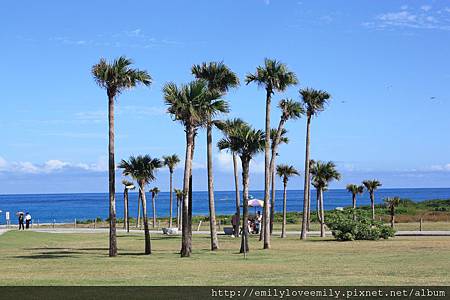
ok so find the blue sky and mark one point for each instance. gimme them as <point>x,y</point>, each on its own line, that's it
<point>384,62</point>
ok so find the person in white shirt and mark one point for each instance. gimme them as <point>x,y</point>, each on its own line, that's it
<point>27,220</point>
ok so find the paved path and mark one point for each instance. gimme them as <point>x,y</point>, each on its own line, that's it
<point>139,232</point>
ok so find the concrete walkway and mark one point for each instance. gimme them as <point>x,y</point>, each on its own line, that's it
<point>275,233</point>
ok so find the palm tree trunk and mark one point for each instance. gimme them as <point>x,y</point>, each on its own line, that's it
<point>245,184</point>
<point>392,216</point>
<point>306,185</point>
<point>354,206</point>
<point>236,187</point>
<point>128,213</point>
<point>178,214</point>
<point>138,220</point>
<point>185,241</point>
<point>191,197</point>
<point>148,246</point>
<point>154,210</point>
<point>272,201</point>
<point>318,205</point>
<point>322,216</point>
<point>283,228</point>
<point>171,200</point>
<point>372,204</point>
<point>308,215</point>
<point>112,180</point>
<point>125,209</point>
<point>267,170</point>
<point>212,210</point>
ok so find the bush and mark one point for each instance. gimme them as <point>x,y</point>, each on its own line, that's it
<point>344,228</point>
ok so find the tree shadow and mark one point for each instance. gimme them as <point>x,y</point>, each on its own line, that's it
<point>49,255</point>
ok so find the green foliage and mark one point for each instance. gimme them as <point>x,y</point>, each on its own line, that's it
<point>344,228</point>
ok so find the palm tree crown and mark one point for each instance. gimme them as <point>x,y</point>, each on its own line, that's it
<point>118,76</point>
<point>355,189</point>
<point>243,140</point>
<point>371,185</point>
<point>290,109</point>
<point>285,171</point>
<point>192,103</point>
<point>283,138</point>
<point>323,173</point>
<point>171,161</point>
<point>314,100</point>
<point>128,184</point>
<point>142,167</point>
<point>219,77</point>
<point>392,202</point>
<point>274,76</point>
<point>155,191</point>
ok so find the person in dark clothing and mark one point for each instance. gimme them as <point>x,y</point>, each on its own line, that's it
<point>21,219</point>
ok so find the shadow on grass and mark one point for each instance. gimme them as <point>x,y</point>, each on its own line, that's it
<point>50,255</point>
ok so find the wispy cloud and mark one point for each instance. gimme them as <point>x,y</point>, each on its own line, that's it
<point>424,17</point>
<point>50,166</point>
<point>135,38</point>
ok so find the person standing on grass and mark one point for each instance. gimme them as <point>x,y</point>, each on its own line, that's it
<point>235,223</point>
<point>21,218</point>
<point>27,220</point>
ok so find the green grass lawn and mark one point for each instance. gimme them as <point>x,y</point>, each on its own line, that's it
<point>31,258</point>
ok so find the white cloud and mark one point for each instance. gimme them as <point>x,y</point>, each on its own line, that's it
<point>3,163</point>
<point>225,163</point>
<point>50,166</point>
<point>444,167</point>
<point>422,18</point>
<point>403,7</point>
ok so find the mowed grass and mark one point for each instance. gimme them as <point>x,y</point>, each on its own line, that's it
<point>32,258</point>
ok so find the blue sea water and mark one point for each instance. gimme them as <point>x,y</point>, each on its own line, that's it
<point>66,207</point>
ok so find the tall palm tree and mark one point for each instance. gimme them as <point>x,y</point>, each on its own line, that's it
<point>189,104</point>
<point>155,192</point>
<point>355,190</point>
<point>272,76</point>
<point>371,187</point>
<point>392,203</point>
<point>245,142</point>
<point>142,168</point>
<point>179,195</point>
<point>322,174</point>
<point>126,218</point>
<point>116,77</point>
<point>171,161</point>
<point>285,171</point>
<point>290,110</point>
<point>226,127</point>
<point>314,102</point>
<point>220,79</point>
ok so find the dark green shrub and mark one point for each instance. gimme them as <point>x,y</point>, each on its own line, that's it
<point>344,228</point>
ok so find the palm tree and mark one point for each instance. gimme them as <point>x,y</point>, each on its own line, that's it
<point>226,127</point>
<point>355,190</point>
<point>245,142</point>
<point>116,77</point>
<point>322,174</point>
<point>371,187</point>
<point>189,104</point>
<point>155,192</point>
<point>142,168</point>
<point>314,102</point>
<point>273,76</point>
<point>220,79</point>
<point>126,218</point>
<point>285,171</point>
<point>171,161</point>
<point>179,195</point>
<point>289,110</point>
<point>392,203</point>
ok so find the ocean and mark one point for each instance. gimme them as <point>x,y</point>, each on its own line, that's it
<point>47,208</point>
